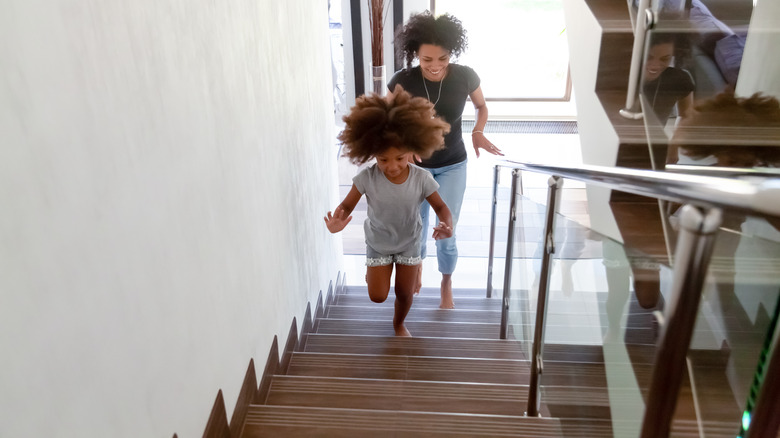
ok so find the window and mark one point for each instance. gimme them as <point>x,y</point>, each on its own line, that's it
<point>518,47</point>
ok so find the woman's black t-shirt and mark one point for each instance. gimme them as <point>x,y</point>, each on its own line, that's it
<point>672,85</point>
<point>456,86</point>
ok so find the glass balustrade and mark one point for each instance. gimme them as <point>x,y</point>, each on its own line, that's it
<point>605,311</point>
<point>600,329</point>
<point>709,95</point>
<point>733,325</point>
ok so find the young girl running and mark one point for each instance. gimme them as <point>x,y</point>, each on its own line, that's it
<point>392,131</point>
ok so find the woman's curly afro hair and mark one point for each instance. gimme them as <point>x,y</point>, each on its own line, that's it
<point>445,31</point>
<point>376,124</point>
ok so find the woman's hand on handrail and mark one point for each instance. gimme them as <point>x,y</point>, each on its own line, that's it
<point>481,142</point>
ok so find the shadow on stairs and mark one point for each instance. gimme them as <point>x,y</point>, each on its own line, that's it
<point>348,376</point>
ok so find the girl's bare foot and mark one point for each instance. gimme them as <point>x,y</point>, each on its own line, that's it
<point>447,301</point>
<point>418,283</point>
<point>402,331</point>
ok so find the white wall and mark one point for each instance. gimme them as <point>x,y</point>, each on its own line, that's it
<point>164,169</point>
<point>598,138</point>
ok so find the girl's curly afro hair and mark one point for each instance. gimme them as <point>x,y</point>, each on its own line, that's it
<point>445,31</point>
<point>376,124</point>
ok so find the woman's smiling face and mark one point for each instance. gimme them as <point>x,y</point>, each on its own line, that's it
<point>433,61</point>
<point>659,58</point>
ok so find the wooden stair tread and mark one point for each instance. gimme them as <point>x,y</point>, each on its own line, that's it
<point>415,395</point>
<point>410,368</point>
<point>417,328</point>
<point>570,317</point>
<point>508,371</point>
<point>471,303</point>
<point>405,395</point>
<point>453,347</point>
<point>378,313</point>
<point>288,421</point>
<point>474,299</point>
<point>567,308</point>
<point>425,292</point>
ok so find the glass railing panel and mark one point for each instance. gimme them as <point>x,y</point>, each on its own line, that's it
<point>739,301</point>
<point>600,330</point>
<point>709,88</point>
<point>606,307</point>
<point>525,261</point>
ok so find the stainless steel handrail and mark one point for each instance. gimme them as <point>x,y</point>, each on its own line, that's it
<point>759,196</point>
<point>705,198</point>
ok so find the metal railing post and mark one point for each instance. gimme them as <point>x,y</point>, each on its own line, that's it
<point>534,395</point>
<point>698,228</point>
<point>496,172</point>
<point>510,237</point>
<point>645,20</point>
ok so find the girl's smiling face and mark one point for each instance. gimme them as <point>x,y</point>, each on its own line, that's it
<point>433,61</point>
<point>394,163</point>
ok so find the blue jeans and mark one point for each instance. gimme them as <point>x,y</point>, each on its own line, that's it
<point>452,186</point>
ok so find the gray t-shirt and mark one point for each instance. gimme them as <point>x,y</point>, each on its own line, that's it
<point>393,221</point>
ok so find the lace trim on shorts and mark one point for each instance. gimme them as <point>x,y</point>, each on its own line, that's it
<point>408,261</point>
<point>379,261</point>
<point>389,260</point>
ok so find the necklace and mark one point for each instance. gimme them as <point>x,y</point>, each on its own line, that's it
<point>428,95</point>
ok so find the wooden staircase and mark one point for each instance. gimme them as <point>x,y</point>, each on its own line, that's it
<point>348,376</point>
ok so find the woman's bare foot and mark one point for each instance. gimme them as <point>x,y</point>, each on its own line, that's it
<point>418,283</point>
<point>447,301</point>
<point>402,331</point>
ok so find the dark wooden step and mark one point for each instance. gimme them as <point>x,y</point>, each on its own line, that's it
<point>379,313</point>
<point>462,330</point>
<point>415,346</point>
<point>286,421</point>
<point>569,307</point>
<point>417,328</point>
<point>454,347</point>
<point>457,397</point>
<point>503,371</point>
<point>403,395</point>
<point>474,299</point>
<point>424,292</point>
<point>410,368</point>
<point>426,301</point>
<point>570,316</point>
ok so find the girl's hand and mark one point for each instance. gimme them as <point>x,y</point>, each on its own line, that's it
<point>337,221</point>
<point>442,231</point>
<point>481,142</point>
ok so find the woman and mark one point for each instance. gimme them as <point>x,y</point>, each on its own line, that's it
<point>434,41</point>
<point>665,86</point>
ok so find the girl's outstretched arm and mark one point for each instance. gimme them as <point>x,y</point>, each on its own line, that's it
<point>341,215</point>
<point>444,228</point>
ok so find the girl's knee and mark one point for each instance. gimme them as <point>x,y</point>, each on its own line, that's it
<point>378,295</point>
